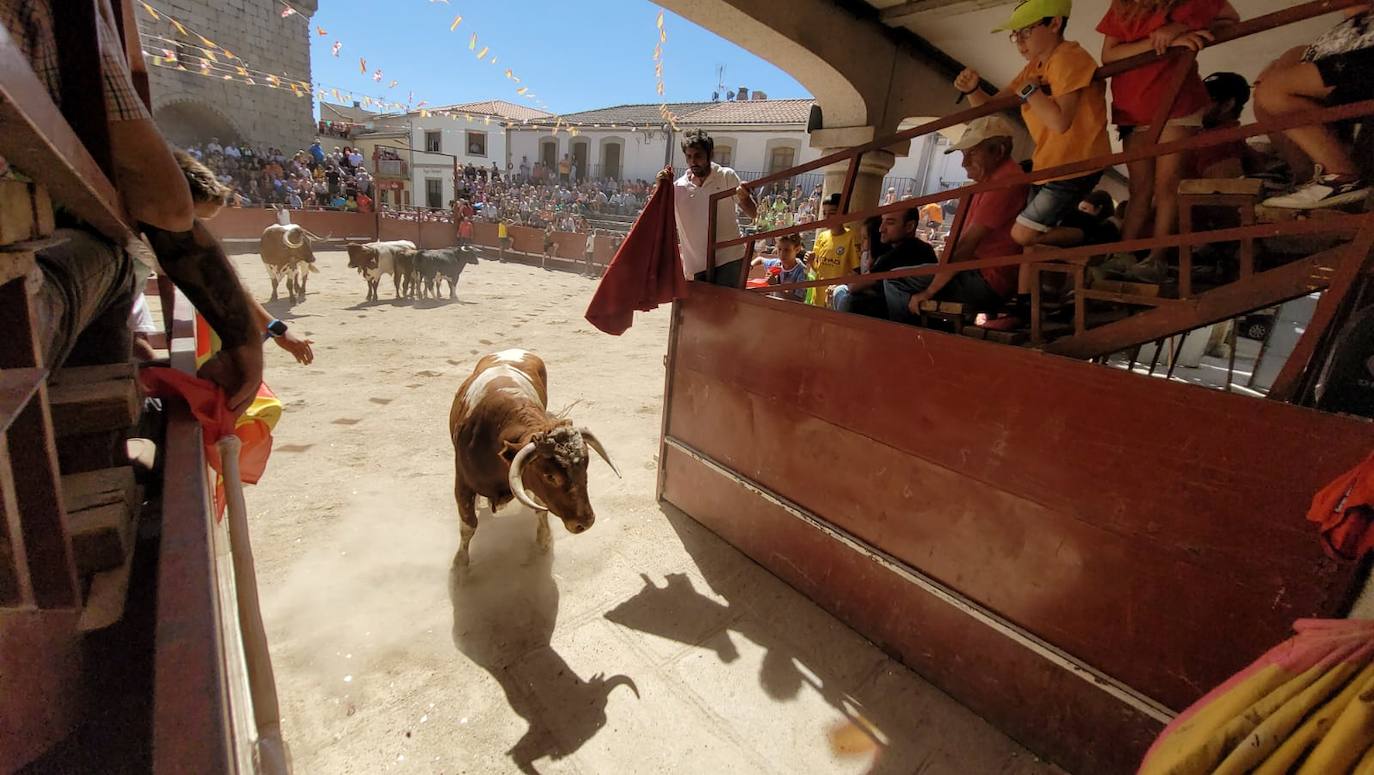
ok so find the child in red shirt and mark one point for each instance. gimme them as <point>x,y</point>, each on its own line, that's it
<point>1135,27</point>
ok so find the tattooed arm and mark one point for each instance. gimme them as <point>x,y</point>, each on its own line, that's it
<point>195,262</point>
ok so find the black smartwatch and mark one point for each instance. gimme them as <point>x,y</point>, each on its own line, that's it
<point>276,328</point>
<point>1028,90</point>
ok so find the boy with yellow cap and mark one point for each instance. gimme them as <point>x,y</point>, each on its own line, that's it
<point>1065,112</point>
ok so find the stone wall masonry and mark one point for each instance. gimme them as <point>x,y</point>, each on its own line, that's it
<point>184,102</point>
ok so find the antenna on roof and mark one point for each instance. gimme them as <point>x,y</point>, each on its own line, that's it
<point>720,83</point>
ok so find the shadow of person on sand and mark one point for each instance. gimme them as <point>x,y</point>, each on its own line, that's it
<point>505,606</point>
<point>903,726</point>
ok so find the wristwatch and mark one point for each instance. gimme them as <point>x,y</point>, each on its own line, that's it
<point>276,328</point>
<point>1028,90</point>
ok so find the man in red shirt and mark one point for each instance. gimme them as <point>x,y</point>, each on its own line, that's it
<point>986,145</point>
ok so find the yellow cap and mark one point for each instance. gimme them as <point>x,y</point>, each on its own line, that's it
<point>1029,12</point>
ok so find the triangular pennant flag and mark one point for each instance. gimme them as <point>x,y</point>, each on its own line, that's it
<point>320,31</point>
<point>521,91</point>
<point>150,11</point>
<point>457,20</point>
<point>660,20</point>
<point>362,65</point>
<point>287,11</point>
<point>392,85</point>
<point>335,48</point>
<point>472,42</point>
<point>483,53</point>
<point>179,26</point>
<point>377,75</point>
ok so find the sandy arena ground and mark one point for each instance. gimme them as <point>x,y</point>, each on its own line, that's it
<point>645,645</point>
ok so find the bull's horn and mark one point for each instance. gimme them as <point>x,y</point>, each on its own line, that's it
<point>313,235</point>
<point>592,442</point>
<point>287,237</point>
<point>517,485</point>
<point>608,685</point>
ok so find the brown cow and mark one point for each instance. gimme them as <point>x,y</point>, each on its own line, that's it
<point>507,445</point>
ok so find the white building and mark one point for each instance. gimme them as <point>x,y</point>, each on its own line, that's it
<point>755,137</point>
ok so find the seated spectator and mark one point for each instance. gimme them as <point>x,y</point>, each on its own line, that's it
<point>986,145</point>
<point>787,268</point>
<point>1094,219</point>
<point>1229,93</point>
<point>897,232</point>
<point>1335,70</point>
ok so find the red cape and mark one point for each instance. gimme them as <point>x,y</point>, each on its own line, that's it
<point>1344,512</point>
<point>645,272</point>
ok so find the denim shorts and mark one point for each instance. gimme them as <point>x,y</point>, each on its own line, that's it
<point>1048,202</point>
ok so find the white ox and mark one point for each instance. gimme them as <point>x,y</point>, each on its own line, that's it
<point>286,253</point>
<point>374,259</point>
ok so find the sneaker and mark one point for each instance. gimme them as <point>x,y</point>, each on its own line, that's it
<point>1147,271</point>
<point>1004,323</point>
<point>1323,191</point>
<point>1116,265</point>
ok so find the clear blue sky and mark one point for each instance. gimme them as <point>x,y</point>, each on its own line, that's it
<point>575,55</point>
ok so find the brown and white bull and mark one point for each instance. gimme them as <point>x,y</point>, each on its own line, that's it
<point>507,445</point>
<point>285,251</point>
<point>374,259</point>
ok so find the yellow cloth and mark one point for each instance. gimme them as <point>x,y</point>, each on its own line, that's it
<point>834,256</point>
<point>932,212</point>
<point>1305,707</point>
<point>501,231</point>
<point>1069,69</point>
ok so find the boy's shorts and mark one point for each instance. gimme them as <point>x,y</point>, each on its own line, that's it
<point>1344,56</point>
<point>1048,202</point>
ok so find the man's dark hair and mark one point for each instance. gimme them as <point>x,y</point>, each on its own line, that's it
<point>911,215</point>
<point>698,138</point>
<point>1102,202</point>
<point>833,199</point>
<point>1228,86</point>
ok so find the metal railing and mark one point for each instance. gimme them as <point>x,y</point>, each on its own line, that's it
<point>1297,375</point>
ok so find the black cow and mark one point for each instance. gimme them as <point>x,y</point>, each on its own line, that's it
<point>435,266</point>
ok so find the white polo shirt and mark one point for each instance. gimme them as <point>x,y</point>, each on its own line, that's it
<point>690,203</point>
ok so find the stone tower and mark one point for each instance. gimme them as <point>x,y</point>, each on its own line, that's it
<point>192,108</point>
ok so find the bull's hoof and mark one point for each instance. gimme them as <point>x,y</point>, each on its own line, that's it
<point>461,560</point>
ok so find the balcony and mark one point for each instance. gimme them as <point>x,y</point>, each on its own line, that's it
<point>392,168</point>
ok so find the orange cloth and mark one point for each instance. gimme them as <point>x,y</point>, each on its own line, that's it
<point>645,272</point>
<point>1344,510</point>
<point>1069,69</point>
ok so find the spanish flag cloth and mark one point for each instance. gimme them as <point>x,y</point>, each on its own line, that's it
<point>208,405</point>
<point>645,272</point>
<point>1306,707</point>
<point>1344,511</point>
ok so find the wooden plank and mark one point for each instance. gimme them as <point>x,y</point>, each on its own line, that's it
<point>99,488</point>
<point>25,212</point>
<point>1256,292</point>
<point>17,388</point>
<point>109,590</point>
<point>1356,258</point>
<point>191,730</point>
<point>16,590</point>
<point>101,537</point>
<point>94,398</point>
<point>41,702</point>
<point>40,508</point>
<point>36,138</point>
<point>1049,710</point>
<point>1059,576</point>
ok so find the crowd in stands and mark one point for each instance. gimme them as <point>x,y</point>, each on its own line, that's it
<point>1067,114</point>
<point>310,178</point>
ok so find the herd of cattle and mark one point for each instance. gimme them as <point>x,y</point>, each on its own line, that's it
<point>287,254</point>
<point>507,445</point>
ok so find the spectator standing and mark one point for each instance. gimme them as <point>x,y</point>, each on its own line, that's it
<point>835,252</point>
<point>1133,27</point>
<point>691,205</point>
<point>564,169</point>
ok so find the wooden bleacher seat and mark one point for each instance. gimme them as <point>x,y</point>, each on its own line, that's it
<point>1242,194</point>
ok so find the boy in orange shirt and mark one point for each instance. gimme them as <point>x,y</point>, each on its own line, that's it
<point>1065,111</point>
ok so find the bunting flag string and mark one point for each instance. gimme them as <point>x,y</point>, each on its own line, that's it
<point>663,109</point>
<point>215,61</point>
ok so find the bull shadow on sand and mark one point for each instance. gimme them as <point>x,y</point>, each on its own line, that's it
<point>505,606</point>
<point>899,722</point>
<point>282,309</point>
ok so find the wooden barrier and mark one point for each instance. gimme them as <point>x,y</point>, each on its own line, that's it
<point>248,223</point>
<point>1153,558</point>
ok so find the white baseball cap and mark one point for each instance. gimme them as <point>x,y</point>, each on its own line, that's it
<point>981,129</point>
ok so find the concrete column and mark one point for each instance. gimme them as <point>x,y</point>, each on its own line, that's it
<point>873,166</point>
